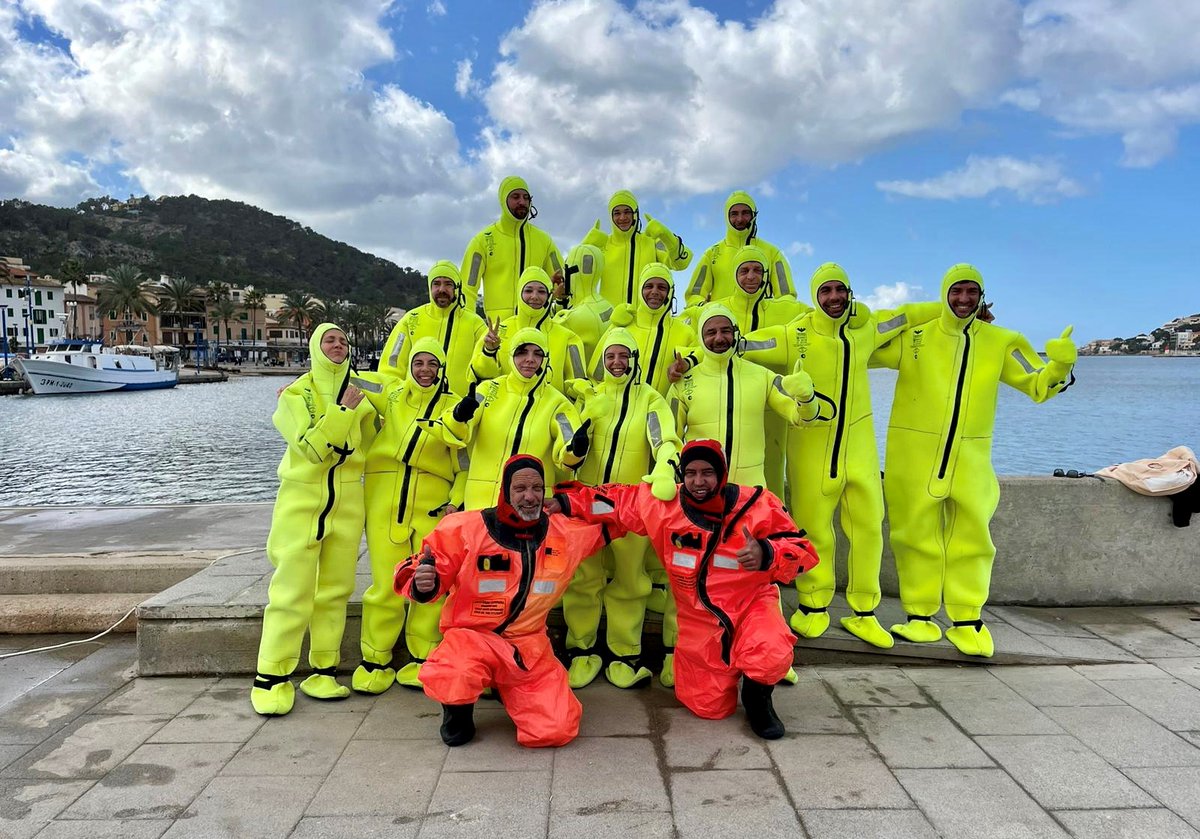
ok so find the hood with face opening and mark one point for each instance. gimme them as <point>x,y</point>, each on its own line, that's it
<point>432,346</point>
<point>526,314</point>
<point>581,273</point>
<point>529,335</point>
<point>329,379</point>
<point>752,253</point>
<point>714,310</point>
<point>444,269</point>
<point>962,272</point>
<point>710,452</point>
<point>825,273</point>
<point>505,511</point>
<point>618,336</point>
<point>624,196</point>
<point>732,234</point>
<point>506,186</point>
<point>656,270</point>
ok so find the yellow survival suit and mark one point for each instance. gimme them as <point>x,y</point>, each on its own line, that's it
<point>658,332</point>
<point>724,398</point>
<point>836,463</point>
<point>628,252</point>
<point>713,276</point>
<point>565,349</point>
<point>520,416</point>
<point>316,528</point>
<point>938,481</point>
<point>633,430</point>
<point>456,327</point>
<point>580,309</point>
<point>498,255</point>
<point>415,467</point>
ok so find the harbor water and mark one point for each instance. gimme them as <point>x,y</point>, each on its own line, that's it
<point>215,442</point>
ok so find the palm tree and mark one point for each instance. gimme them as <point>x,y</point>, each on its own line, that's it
<point>302,309</point>
<point>126,291</point>
<point>181,297</point>
<point>375,318</point>
<point>253,301</point>
<point>223,311</point>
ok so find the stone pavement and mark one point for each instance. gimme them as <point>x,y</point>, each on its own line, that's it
<point>1094,750</point>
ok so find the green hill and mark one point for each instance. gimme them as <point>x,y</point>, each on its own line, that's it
<point>189,236</point>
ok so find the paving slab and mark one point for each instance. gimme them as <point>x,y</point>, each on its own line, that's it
<point>1126,737</point>
<point>1040,622</point>
<point>1126,824</point>
<point>402,714</point>
<point>977,803</point>
<point>236,808</point>
<point>919,737</point>
<point>90,747</point>
<point>830,772</point>
<point>222,715</point>
<point>1184,669</point>
<point>105,829</point>
<point>746,802</point>
<point>581,785</point>
<point>1178,620</point>
<point>27,806</point>
<point>380,779</point>
<point>1110,672</point>
<point>867,824</point>
<point>1054,685</point>
<point>609,711</point>
<point>611,824</point>
<point>1062,773</point>
<point>40,713</point>
<point>498,804</point>
<point>696,743</point>
<point>306,743</point>
<point>872,686</point>
<point>809,707</point>
<point>358,827</point>
<point>1169,702</point>
<point>1094,648</point>
<point>990,708</point>
<point>1144,640</point>
<point>163,695</point>
<point>157,781</point>
<point>1176,788</point>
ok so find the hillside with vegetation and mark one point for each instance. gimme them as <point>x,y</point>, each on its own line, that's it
<point>204,241</point>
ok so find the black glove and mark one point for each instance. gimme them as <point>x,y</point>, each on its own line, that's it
<point>467,406</point>
<point>580,442</point>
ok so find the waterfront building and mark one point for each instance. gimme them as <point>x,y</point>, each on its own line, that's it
<point>32,307</point>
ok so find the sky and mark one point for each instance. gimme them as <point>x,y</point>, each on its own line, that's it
<point>1052,143</point>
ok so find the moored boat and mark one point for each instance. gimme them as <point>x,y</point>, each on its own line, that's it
<point>81,366</point>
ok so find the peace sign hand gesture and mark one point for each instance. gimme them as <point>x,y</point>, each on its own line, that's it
<point>491,341</point>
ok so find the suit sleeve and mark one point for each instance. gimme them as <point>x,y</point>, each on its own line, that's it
<point>782,284</point>
<point>660,429</point>
<point>887,356</point>
<point>1025,371</point>
<point>670,249</point>
<point>619,507</point>
<point>393,360</point>
<point>786,552</point>
<point>562,428</point>
<point>888,323</point>
<point>449,545</point>
<point>700,287</point>
<point>787,407</point>
<point>486,364</point>
<point>474,265</point>
<point>679,409</point>
<point>553,262</point>
<point>768,347</point>
<point>314,439</point>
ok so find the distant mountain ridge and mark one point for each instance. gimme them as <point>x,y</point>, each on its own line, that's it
<point>203,240</point>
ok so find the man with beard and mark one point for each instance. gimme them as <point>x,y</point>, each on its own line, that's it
<point>725,546</point>
<point>714,277</point>
<point>502,568</point>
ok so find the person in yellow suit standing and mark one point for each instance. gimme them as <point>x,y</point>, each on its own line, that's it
<point>498,255</point>
<point>660,335</point>
<point>415,474</point>
<point>627,250</point>
<point>633,429</point>
<point>445,317</point>
<point>521,413</point>
<point>938,480</point>
<point>493,352</point>
<point>577,305</point>
<point>836,464</point>
<point>316,526</point>
<point>713,277</point>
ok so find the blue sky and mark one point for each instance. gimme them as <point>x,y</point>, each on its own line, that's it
<point>1053,143</point>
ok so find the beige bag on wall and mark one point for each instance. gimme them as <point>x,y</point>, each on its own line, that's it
<point>1174,472</point>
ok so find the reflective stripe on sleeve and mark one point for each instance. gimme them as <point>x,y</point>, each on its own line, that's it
<point>363,384</point>
<point>576,360</point>
<point>655,428</point>
<point>768,344</point>
<point>394,358</point>
<point>476,264</point>
<point>588,265</point>
<point>1023,361</point>
<point>785,283</point>
<point>699,283</point>
<point>895,323</point>
<point>464,460</point>
<point>600,507</point>
<point>564,425</point>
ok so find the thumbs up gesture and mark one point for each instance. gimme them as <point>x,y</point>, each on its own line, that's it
<point>678,368</point>
<point>750,555</point>
<point>799,385</point>
<point>468,405</point>
<point>425,577</point>
<point>1062,349</point>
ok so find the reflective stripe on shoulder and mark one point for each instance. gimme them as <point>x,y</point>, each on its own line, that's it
<point>476,264</point>
<point>564,425</point>
<point>699,283</point>
<point>655,428</point>
<point>543,586</point>
<point>722,561</point>
<point>491,586</point>
<point>395,356</point>
<point>683,560</point>
<point>588,264</point>
<point>1023,361</point>
<point>768,344</point>
<point>785,282</point>
<point>895,323</point>
<point>363,384</point>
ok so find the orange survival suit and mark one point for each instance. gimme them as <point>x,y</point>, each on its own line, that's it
<point>503,575</point>
<point>729,618</point>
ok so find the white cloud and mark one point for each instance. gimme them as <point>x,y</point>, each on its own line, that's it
<point>796,248</point>
<point>1126,67</point>
<point>890,296</point>
<point>436,8</point>
<point>465,84</point>
<point>1036,181</point>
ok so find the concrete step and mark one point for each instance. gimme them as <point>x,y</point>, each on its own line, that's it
<point>26,614</point>
<point>110,573</point>
<point>211,623</point>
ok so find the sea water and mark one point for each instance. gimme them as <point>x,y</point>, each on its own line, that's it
<point>215,442</point>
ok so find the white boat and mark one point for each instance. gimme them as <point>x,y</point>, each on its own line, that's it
<point>81,366</point>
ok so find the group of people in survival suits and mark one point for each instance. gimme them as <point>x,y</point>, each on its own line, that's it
<point>581,442</point>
